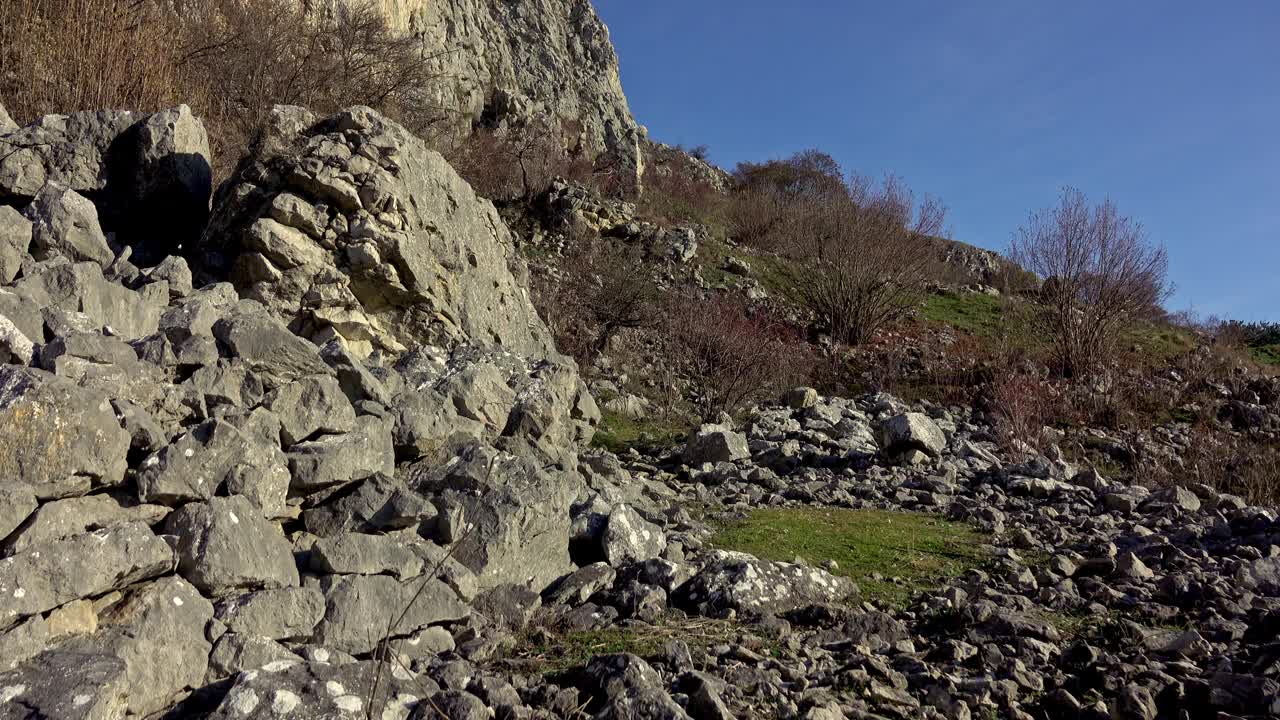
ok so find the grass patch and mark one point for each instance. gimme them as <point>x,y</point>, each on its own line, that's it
<point>1266,354</point>
<point>971,312</point>
<point>1162,343</point>
<point>919,551</point>
<point>618,433</point>
<point>776,274</point>
<point>544,652</point>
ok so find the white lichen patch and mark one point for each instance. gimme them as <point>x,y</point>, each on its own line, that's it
<point>284,702</point>
<point>11,692</point>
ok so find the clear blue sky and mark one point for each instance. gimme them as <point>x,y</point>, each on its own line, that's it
<point>1171,107</point>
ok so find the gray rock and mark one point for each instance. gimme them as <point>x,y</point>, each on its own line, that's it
<point>15,242</point>
<point>62,519</point>
<point>379,503</point>
<point>715,443</point>
<point>279,614</point>
<point>17,502</point>
<point>800,398</point>
<point>317,690</point>
<point>251,334</point>
<point>158,631</point>
<point>630,538</point>
<point>174,271</point>
<point>225,544</point>
<point>912,431</point>
<point>359,554</point>
<point>737,581</point>
<point>332,460</point>
<point>515,517</point>
<point>66,684</point>
<point>15,348</point>
<point>65,224</point>
<point>7,125</point>
<point>361,609</point>
<point>311,405</point>
<point>78,567</point>
<point>584,582</point>
<point>236,653</point>
<point>58,438</point>
<point>509,607</point>
<point>81,287</point>
<point>23,642</point>
<point>194,466</point>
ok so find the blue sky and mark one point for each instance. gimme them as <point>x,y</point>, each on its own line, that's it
<point>1170,107</point>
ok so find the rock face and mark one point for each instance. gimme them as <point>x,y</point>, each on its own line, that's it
<point>505,61</point>
<point>364,234</point>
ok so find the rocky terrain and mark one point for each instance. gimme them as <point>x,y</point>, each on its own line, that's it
<point>312,453</point>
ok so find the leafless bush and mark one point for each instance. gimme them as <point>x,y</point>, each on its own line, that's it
<point>869,255</point>
<point>1237,464</point>
<point>1021,406</point>
<point>519,162</point>
<point>68,55</point>
<point>732,355</point>
<point>1101,275</point>
<point>603,290</point>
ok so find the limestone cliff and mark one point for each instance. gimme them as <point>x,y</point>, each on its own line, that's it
<point>501,58</point>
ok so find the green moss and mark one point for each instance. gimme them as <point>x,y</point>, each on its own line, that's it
<point>971,312</point>
<point>618,433</point>
<point>917,550</point>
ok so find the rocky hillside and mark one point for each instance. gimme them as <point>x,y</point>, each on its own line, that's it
<point>321,459</point>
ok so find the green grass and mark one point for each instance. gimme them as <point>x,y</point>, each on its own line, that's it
<point>776,274</point>
<point>1162,343</point>
<point>972,312</point>
<point>618,433</point>
<point>1266,354</point>
<point>919,550</point>
<point>553,653</point>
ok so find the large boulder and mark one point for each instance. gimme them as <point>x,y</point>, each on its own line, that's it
<point>744,583</point>
<point>15,241</point>
<point>149,175</point>
<point>225,544</point>
<point>362,610</point>
<point>58,438</point>
<point>912,431</point>
<point>715,443</point>
<point>82,566</point>
<point>65,224</point>
<point>318,690</point>
<point>352,227</point>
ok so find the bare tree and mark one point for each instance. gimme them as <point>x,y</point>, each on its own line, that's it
<point>869,254</point>
<point>1101,275</point>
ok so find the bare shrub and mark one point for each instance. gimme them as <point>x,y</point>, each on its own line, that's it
<point>1021,405</point>
<point>1237,464</point>
<point>732,355</point>
<point>1101,276</point>
<point>69,55</point>
<point>869,256</point>
<point>602,291</point>
<point>519,162</point>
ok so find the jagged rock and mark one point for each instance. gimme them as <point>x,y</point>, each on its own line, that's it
<point>331,460</point>
<point>65,224</point>
<point>360,609</point>
<point>23,642</point>
<point>715,443</point>
<point>78,567</point>
<point>59,439</point>
<point>82,288</point>
<point>311,405</point>
<point>379,503</point>
<point>17,502</point>
<point>515,515</point>
<point>416,258</point>
<point>62,519</point>
<point>7,125</point>
<point>584,582</point>
<point>278,614</point>
<point>67,684</point>
<point>236,653</point>
<point>194,466</point>
<point>174,271</point>
<point>800,398</point>
<point>737,581</point>
<point>14,346</point>
<point>262,476</point>
<point>912,431</point>
<point>15,241</point>
<point>251,334</point>
<point>317,690</point>
<point>225,544</point>
<point>142,171</point>
<point>158,631</point>
<point>629,538</point>
<point>360,554</point>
